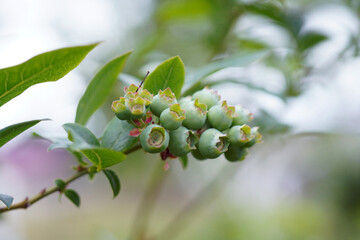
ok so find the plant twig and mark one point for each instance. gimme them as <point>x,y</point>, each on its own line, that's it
<point>27,202</point>
<point>147,203</point>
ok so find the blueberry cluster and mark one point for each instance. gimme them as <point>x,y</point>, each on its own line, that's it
<point>201,124</point>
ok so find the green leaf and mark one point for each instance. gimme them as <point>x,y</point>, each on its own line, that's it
<point>113,180</point>
<point>8,133</point>
<point>116,136</point>
<point>80,135</point>
<point>99,89</point>
<point>184,161</point>
<point>170,73</point>
<point>73,196</point>
<point>6,199</point>
<point>311,39</point>
<point>60,184</point>
<point>46,67</point>
<point>241,60</point>
<point>103,158</point>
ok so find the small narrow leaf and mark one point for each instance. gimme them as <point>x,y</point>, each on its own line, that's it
<point>117,136</point>
<point>103,158</point>
<point>8,133</point>
<point>99,89</point>
<point>6,199</point>
<point>46,67</point>
<point>80,135</point>
<point>73,196</point>
<point>60,184</point>
<point>170,73</point>
<point>184,161</point>
<point>113,180</point>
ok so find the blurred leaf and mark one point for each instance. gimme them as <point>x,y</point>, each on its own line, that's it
<point>6,199</point>
<point>170,73</point>
<point>310,39</point>
<point>269,124</point>
<point>99,89</point>
<point>103,158</point>
<point>73,196</point>
<point>8,133</point>
<point>80,135</point>
<point>176,9</point>
<point>184,161</point>
<point>116,136</point>
<point>56,141</point>
<point>233,61</point>
<point>113,180</point>
<point>60,184</point>
<point>247,44</point>
<point>46,67</point>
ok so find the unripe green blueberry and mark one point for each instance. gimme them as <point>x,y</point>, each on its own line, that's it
<point>213,143</point>
<point>240,135</point>
<point>257,137</point>
<point>207,96</point>
<point>154,139</point>
<point>196,154</point>
<point>182,141</point>
<point>136,107</point>
<point>236,154</point>
<point>162,101</point>
<point>171,118</point>
<point>195,114</point>
<point>241,116</point>
<point>147,96</point>
<point>184,100</point>
<point>120,109</point>
<point>131,89</point>
<point>220,116</point>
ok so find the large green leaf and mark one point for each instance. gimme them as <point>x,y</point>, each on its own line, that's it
<point>103,158</point>
<point>170,73</point>
<point>6,199</point>
<point>46,67</point>
<point>241,60</point>
<point>113,180</point>
<point>8,133</point>
<point>99,89</point>
<point>117,136</point>
<point>80,135</point>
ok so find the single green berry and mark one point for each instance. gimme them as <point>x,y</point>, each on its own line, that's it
<point>257,137</point>
<point>236,154</point>
<point>154,139</point>
<point>207,96</point>
<point>241,116</point>
<point>196,154</point>
<point>184,100</point>
<point>136,107</point>
<point>182,141</point>
<point>220,116</point>
<point>147,96</point>
<point>120,109</point>
<point>213,143</point>
<point>162,101</point>
<point>171,118</point>
<point>240,135</point>
<point>131,89</point>
<point>195,114</point>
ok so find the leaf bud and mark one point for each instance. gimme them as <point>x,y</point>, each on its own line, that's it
<point>154,139</point>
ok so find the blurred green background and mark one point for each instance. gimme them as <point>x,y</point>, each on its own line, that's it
<point>302,182</point>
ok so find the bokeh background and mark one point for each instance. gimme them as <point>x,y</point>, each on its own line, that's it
<point>302,182</point>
